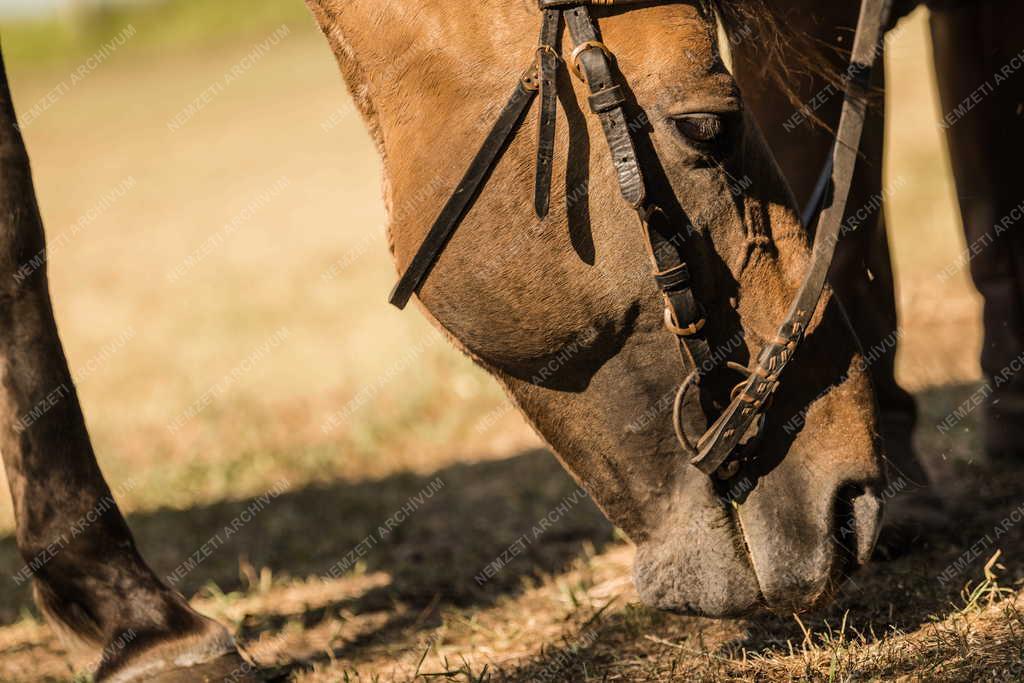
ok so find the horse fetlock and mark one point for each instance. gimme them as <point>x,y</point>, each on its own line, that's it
<point>141,629</point>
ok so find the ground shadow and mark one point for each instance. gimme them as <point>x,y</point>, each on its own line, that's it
<point>460,519</point>
<point>433,534</point>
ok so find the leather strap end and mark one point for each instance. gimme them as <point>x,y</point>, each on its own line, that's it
<point>400,295</point>
<point>709,461</point>
<point>721,440</point>
<point>541,202</point>
<point>635,193</point>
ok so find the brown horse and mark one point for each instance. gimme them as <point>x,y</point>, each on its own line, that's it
<point>562,312</point>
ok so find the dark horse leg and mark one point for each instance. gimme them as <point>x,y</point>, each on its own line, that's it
<point>979,60</point>
<point>862,275</point>
<point>87,575</point>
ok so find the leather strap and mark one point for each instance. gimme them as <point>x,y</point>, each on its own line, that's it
<point>607,100</point>
<point>732,425</point>
<point>665,241</point>
<point>684,316</point>
<point>476,175</point>
<point>547,58</point>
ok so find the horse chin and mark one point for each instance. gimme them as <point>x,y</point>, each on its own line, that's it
<point>695,560</point>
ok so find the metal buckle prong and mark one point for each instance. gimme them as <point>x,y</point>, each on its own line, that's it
<point>550,50</point>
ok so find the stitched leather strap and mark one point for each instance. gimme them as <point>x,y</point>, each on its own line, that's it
<point>732,425</point>
<point>455,208</point>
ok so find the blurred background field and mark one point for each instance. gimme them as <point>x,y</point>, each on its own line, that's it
<point>272,191</point>
<point>219,276</point>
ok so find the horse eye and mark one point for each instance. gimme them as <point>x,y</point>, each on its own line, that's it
<point>699,127</point>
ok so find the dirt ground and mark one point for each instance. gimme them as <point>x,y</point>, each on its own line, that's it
<point>219,275</point>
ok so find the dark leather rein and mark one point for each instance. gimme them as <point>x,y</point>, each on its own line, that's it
<point>743,418</point>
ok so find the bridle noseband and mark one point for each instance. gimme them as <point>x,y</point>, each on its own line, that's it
<point>591,60</point>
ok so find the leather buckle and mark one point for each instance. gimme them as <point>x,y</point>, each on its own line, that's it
<point>579,49</point>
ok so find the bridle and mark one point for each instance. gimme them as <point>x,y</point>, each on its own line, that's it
<point>742,420</point>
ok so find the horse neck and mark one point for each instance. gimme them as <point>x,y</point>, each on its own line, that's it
<point>432,55</point>
<point>427,77</point>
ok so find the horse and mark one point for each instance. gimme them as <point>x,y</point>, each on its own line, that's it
<point>571,293</point>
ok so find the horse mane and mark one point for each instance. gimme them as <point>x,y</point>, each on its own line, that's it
<point>786,56</point>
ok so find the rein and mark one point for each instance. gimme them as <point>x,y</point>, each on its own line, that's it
<point>591,60</point>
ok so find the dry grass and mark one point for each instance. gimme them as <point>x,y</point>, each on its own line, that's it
<point>410,608</point>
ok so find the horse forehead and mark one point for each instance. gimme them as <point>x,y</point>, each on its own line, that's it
<point>662,32</point>
<point>663,35</point>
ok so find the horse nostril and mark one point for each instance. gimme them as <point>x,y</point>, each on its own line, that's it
<point>859,519</point>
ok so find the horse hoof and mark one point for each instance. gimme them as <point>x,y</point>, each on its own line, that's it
<point>207,655</point>
<point>226,668</point>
